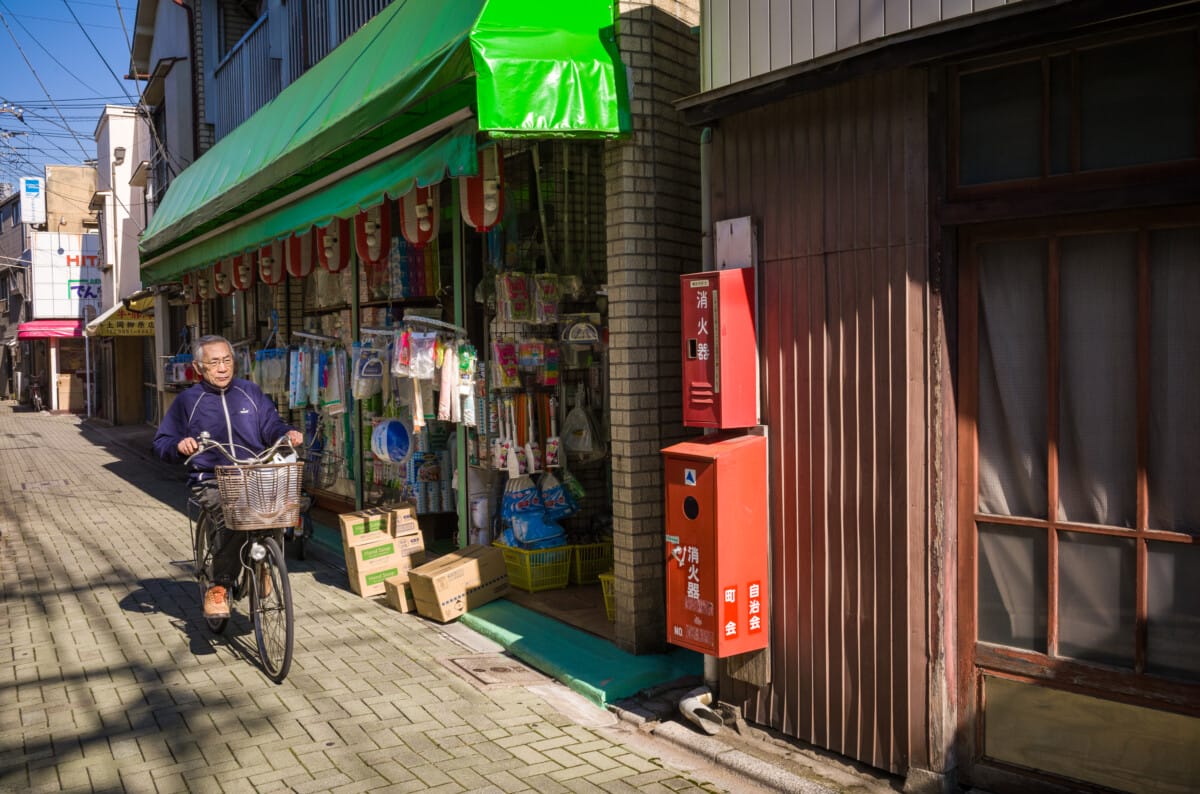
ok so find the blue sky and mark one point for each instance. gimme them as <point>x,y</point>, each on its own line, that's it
<point>69,82</point>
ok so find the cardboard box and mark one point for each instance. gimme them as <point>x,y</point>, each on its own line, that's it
<point>371,582</point>
<point>383,553</point>
<point>403,519</point>
<point>410,542</point>
<point>399,593</point>
<point>364,526</point>
<point>458,582</point>
<point>374,552</point>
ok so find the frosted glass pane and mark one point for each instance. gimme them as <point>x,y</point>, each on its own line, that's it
<point>1173,633</point>
<point>1012,378</point>
<point>1000,124</point>
<point>1174,465</point>
<point>1097,439</point>
<point>1096,591</point>
<point>1012,586</point>
<point>1138,102</point>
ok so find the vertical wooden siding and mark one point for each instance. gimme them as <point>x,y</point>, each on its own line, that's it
<point>837,182</point>
<point>749,38</point>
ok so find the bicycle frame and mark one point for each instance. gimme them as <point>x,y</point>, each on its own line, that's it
<point>263,572</point>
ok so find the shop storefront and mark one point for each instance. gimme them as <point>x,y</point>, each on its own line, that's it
<point>53,354</point>
<point>120,340</point>
<point>417,274</point>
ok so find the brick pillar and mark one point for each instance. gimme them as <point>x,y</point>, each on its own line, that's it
<point>653,235</point>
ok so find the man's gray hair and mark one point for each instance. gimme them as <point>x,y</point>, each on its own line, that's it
<point>205,341</point>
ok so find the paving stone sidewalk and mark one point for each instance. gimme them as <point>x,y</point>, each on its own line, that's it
<point>110,682</point>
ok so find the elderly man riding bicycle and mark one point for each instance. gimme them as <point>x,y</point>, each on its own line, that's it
<point>237,415</point>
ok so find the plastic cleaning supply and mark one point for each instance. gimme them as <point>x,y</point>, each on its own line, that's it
<point>555,499</point>
<point>546,297</point>
<point>552,441</point>
<point>505,374</point>
<point>448,402</point>
<point>401,355</point>
<point>391,441</point>
<point>533,452</point>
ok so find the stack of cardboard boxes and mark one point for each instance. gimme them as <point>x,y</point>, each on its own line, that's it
<point>381,543</point>
<point>385,555</point>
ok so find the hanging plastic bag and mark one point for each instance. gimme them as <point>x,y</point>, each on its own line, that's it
<point>422,364</point>
<point>401,355</point>
<point>581,437</point>
<point>334,400</point>
<point>505,374</point>
<point>546,297</point>
<point>367,375</point>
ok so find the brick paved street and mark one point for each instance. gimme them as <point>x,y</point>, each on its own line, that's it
<point>109,681</point>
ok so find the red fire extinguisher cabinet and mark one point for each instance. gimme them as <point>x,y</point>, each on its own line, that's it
<point>720,353</point>
<point>716,544</point>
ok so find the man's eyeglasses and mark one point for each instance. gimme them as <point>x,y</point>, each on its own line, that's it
<point>216,363</point>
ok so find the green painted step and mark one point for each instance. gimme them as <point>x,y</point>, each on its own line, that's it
<point>593,667</point>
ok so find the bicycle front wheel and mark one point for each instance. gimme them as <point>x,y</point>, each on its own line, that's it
<point>271,606</point>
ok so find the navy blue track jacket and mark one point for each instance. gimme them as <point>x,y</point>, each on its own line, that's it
<point>240,412</point>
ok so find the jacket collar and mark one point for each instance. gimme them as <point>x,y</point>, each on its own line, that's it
<point>211,389</point>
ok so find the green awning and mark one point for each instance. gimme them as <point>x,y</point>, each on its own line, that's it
<point>527,68</point>
<point>452,153</point>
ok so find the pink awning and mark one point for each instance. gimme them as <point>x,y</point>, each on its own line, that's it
<point>43,329</point>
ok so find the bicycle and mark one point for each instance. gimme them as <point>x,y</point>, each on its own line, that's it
<point>260,501</point>
<point>35,394</point>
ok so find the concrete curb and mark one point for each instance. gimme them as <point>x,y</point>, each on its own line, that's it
<point>761,772</point>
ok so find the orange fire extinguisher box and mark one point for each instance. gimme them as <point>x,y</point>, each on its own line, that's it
<point>720,352</point>
<point>716,544</point>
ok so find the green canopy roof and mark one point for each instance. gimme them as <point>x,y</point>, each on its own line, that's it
<point>527,69</point>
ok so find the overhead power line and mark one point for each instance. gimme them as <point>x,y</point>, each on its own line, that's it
<point>53,58</point>
<point>39,80</point>
<point>103,60</point>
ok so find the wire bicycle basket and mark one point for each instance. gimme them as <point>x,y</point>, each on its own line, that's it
<point>322,468</point>
<point>263,496</point>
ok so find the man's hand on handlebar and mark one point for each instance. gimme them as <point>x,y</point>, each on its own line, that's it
<point>295,438</point>
<point>187,446</point>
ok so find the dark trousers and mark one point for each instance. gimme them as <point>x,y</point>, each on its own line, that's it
<point>226,544</point>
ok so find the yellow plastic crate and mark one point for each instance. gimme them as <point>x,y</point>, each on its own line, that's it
<point>589,560</point>
<point>606,584</point>
<point>538,569</point>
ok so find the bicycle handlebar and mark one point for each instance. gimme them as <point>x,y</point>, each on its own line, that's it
<point>206,443</point>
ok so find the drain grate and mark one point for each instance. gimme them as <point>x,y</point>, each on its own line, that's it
<point>491,670</point>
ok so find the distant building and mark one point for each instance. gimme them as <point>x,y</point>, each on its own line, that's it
<point>14,264</point>
<point>63,286</point>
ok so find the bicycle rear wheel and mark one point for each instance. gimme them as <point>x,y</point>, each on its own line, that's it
<point>203,563</point>
<point>272,611</point>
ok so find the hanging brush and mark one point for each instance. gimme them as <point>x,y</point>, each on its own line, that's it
<point>533,452</point>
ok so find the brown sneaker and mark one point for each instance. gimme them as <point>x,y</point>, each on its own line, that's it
<point>216,605</point>
<point>264,582</point>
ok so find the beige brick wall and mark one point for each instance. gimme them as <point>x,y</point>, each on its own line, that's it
<point>653,222</point>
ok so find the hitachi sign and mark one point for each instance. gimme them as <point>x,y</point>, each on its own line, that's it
<point>83,260</point>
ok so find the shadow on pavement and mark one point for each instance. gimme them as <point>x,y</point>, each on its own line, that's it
<point>180,601</point>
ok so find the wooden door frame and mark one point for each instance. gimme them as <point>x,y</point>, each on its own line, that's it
<point>972,660</point>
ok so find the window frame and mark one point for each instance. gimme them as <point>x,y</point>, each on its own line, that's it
<point>976,657</point>
<point>1075,180</point>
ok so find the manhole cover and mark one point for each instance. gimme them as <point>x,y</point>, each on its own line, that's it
<point>487,670</point>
